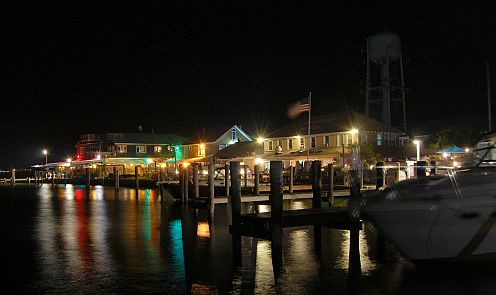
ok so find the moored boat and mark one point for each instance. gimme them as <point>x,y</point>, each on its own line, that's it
<point>443,217</point>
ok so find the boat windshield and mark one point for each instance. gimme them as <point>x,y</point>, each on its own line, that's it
<point>484,153</point>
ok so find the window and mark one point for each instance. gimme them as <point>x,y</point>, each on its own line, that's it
<point>157,149</point>
<point>339,140</point>
<point>379,138</point>
<point>141,149</point>
<point>313,141</point>
<point>290,143</point>
<point>326,141</point>
<point>269,145</point>
<point>349,138</point>
<point>121,148</point>
<point>279,143</point>
<point>302,143</point>
<point>233,134</point>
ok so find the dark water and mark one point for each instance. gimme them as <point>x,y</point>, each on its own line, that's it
<point>58,240</point>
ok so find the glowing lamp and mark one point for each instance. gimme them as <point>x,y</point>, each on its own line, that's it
<point>202,146</point>
<point>353,131</point>
<point>260,140</point>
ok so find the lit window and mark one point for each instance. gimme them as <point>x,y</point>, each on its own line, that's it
<point>269,145</point>
<point>279,143</point>
<point>157,149</point>
<point>302,143</point>
<point>121,148</point>
<point>313,140</point>
<point>379,138</point>
<point>141,149</point>
<point>290,143</point>
<point>349,137</point>
<point>233,134</point>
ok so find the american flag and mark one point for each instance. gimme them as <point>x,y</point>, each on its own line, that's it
<point>301,106</point>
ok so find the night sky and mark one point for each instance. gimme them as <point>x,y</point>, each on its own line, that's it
<point>74,68</point>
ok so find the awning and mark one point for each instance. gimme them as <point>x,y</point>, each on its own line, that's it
<point>452,150</point>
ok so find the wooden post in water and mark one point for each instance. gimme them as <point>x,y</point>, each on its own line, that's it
<point>186,185</point>
<point>236,211</point>
<point>380,177</point>
<point>196,185</point>
<point>136,179</point>
<point>421,166</point>
<point>330,176</point>
<point>88,178</point>
<point>276,196</point>
<point>116,178</point>
<point>211,189</point>
<point>291,178</point>
<point>226,178</point>
<point>257,179</point>
<point>12,176</point>
<point>245,169</point>
<point>316,184</point>
<point>181,184</point>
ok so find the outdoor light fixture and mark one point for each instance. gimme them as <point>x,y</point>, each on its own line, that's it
<point>260,140</point>
<point>202,146</point>
<point>45,152</point>
<point>353,131</point>
<point>467,150</point>
<point>98,157</point>
<point>69,160</point>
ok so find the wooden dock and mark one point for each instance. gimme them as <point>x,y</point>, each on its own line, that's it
<point>258,225</point>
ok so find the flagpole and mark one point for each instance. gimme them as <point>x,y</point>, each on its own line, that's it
<point>309,116</point>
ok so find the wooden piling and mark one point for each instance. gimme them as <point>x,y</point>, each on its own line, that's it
<point>12,177</point>
<point>181,184</point>
<point>291,178</point>
<point>186,185</point>
<point>235,192</point>
<point>236,210</point>
<point>316,184</point>
<point>196,185</point>
<point>211,189</point>
<point>136,178</point>
<point>276,197</point>
<point>421,168</point>
<point>226,178</point>
<point>116,178</point>
<point>330,177</point>
<point>88,178</point>
<point>257,180</point>
<point>245,169</point>
<point>380,177</point>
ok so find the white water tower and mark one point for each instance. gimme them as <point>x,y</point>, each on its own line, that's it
<point>385,89</point>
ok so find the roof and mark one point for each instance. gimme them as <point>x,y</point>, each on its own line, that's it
<point>148,138</point>
<point>210,134</point>
<point>239,150</point>
<point>335,122</point>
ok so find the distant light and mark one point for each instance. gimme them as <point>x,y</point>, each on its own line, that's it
<point>45,152</point>
<point>163,165</point>
<point>259,161</point>
<point>149,161</point>
<point>185,164</point>
<point>69,160</point>
<point>445,155</point>
<point>467,150</point>
<point>202,146</point>
<point>260,140</point>
<point>354,131</point>
<point>416,141</point>
<point>177,171</point>
<point>205,172</point>
<point>98,157</point>
<point>456,164</point>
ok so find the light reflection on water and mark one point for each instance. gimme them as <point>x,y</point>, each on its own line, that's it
<point>99,241</point>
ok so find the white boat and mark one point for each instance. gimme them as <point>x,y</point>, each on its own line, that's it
<point>442,217</point>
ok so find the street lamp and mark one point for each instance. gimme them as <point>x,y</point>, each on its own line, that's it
<point>417,143</point>
<point>45,152</point>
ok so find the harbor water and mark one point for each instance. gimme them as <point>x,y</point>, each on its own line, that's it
<point>65,240</point>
